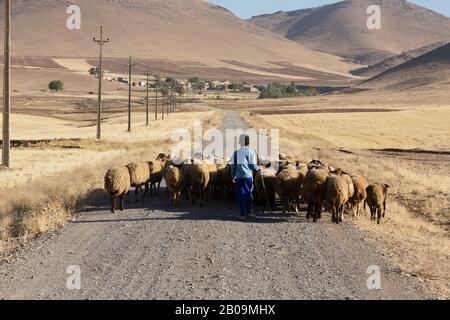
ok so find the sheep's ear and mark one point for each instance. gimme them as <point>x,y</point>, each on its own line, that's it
<point>387,186</point>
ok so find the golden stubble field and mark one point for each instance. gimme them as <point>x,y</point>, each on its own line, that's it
<point>407,148</point>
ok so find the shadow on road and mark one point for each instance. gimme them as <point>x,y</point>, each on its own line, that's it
<point>215,209</point>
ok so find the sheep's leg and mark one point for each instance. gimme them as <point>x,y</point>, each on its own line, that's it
<point>203,196</point>
<point>146,192</point>
<point>159,188</point>
<point>379,213</point>
<point>333,215</point>
<point>113,204</point>
<point>191,195</point>
<point>341,213</point>
<point>297,204</point>
<point>128,197</point>
<point>136,193</point>
<point>384,208</point>
<point>121,199</point>
<point>174,199</point>
<point>309,211</point>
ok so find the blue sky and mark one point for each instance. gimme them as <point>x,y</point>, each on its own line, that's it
<point>249,8</point>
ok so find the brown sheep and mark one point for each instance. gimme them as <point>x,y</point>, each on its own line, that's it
<point>213,176</point>
<point>289,185</point>
<point>376,200</point>
<point>220,187</point>
<point>314,192</point>
<point>117,184</point>
<point>359,196</point>
<point>227,182</point>
<point>196,181</point>
<point>265,188</point>
<point>337,194</point>
<point>139,176</point>
<point>157,174</point>
<point>174,180</point>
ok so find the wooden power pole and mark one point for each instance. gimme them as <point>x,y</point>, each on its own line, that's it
<point>101,43</point>
<point>157,77</point>
<point>147,97</point>
<point>130,65</point>
<point>6,88</point>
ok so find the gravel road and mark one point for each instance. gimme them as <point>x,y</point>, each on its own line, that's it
<point>152,251</point>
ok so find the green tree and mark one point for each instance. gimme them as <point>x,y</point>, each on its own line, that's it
<point>56,85</point>
<point>292,89</point>
<point>164,90</point>
<point>94,71</point>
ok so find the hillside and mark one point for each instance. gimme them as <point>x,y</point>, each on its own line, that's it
<point>341,28</point>
<point>190,32</point>
<point>431,69</point>
<point>392,62</point>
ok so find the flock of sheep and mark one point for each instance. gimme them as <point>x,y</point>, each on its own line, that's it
<point>316,184</point>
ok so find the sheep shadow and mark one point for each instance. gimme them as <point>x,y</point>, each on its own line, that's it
<point>215,209</point>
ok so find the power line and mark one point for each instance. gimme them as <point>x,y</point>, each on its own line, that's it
<point>101,43</point>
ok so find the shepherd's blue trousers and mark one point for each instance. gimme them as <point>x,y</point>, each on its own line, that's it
<point>244,195</point>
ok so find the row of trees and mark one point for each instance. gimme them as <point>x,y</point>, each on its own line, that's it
<point>277,91</point>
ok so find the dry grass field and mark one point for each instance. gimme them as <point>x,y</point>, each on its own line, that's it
<point>408,149</point>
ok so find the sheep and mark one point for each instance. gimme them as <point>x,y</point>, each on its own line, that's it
<point>174,180</point>
<point>265,187</point>
<point>196,177</point>
<point>117,184</point>
<point>139,176</point>
<point>337,194</point>
<point>213,176</point>
<point>360,195</point>
<point>219,187</point>
<point>314,192</point>
<point>157,174</point>
<point>226,180</point>
<point>289,184</point>
<point>376,200</point>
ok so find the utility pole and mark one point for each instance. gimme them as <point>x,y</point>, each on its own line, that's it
<point>168,102</point>
<point>163,102</point>
<point>6,98</point>
<point>157,77</point>
<point>101,43</point>
<point>130,65</point>
<point>175,102</point>
<point>148,85</point>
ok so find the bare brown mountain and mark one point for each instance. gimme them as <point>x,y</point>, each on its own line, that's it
<point>392,62</point>
<point>341,28</point>
<point>190,31</point>
<point>431,69</point>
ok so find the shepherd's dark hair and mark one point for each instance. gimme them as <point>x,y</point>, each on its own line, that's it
<point>244,140</point>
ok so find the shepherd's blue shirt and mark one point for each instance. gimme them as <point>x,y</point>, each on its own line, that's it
<point>243,162</point>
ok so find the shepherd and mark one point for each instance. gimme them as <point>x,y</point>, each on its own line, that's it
<point>243,163</point>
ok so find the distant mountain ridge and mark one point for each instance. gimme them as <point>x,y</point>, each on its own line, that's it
<point>341,28</point>
<point>429,69</point>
